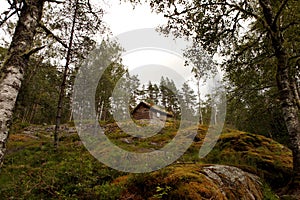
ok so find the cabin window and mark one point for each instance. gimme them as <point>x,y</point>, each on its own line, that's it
<point>157,114</point>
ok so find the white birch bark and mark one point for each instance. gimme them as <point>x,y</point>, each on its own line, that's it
<point>12,70</point>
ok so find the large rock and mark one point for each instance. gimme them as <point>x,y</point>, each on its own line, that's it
<point>234,183</point>
<point>194,182</point>
<point>256,154</point>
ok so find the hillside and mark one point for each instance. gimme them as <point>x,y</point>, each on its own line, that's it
<point>34,170</point>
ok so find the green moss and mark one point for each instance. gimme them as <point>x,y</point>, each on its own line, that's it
<point>34,170</point>
<point>184,181</point>
<point>269,159</point>
<point>268,194</point>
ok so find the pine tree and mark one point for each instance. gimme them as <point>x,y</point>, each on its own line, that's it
<point>188,99</point>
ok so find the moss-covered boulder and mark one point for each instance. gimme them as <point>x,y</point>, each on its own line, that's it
<point>255,153</point>
<point>194,181</point>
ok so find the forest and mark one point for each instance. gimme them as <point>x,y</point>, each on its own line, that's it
<point>45,112</point>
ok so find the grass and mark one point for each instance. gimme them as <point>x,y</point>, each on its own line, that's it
<point>33,169</point>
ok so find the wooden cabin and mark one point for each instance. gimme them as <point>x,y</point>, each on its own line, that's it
<point>147,111</point>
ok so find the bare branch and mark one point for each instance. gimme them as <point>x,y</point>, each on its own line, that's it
<point>268,14</point>
<point>279,12</point>
<point>49,32</point>
<point>244,87</point>
<point>257,17</point>
<point>92,11</point>
<point>32,51</point>
<point>295,57</point>
<point>12,3</point>
<point>290,24</point>
<point>55,1</point>
<point>7,16</point>
<point>250,45</point>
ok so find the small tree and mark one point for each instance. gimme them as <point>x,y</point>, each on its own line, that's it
<point>81,23</point>
<point>188,99</point>
<point>202,68</point>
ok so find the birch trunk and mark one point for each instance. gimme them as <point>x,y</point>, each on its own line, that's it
<point>290,113</point>
<point>101,111</point>
<point>199,102</point>
<point>12,70</point>
<point>286,93</point>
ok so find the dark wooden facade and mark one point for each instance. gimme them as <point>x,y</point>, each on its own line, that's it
<point>147,111</point>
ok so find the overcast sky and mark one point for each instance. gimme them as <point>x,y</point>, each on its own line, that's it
<point>121,17</point>
<point>148,64</point>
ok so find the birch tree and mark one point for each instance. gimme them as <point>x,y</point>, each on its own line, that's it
<point>203,67</point>
<point>12,70</point>
<point>36,29</point>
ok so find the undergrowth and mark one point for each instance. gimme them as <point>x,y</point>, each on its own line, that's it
<point>33,169</point>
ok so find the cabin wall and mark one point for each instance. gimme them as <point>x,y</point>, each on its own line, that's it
<point>158,115</point>
<point>141,113</point>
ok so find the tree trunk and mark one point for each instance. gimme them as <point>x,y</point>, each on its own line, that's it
<point>290,113</point>
<point>289,106</point>
<point>286,93</point>
<point>101,111</point>
<point>16,62</point>
<point>25,114</point>
<point>98,109</point>
<point>296,92</point>
<point>65,74</point>
<point>199,102</point>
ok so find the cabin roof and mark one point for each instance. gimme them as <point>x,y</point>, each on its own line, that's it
<point>154,107</point>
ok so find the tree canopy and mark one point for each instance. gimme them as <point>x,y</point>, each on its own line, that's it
<point>259,41</point>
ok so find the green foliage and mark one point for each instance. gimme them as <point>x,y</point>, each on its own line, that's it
<point>34,170</point>
<point>107,58</point>
<point>258,119</point>
<point>18,125</point>
<point>168,92</point>
<point>107,191</point>
<point>37,100</point>
<point>162,191</point>
<point>58,19</point>
<point>3,52</point>
<point>188,99</point>
<point>268,193</point>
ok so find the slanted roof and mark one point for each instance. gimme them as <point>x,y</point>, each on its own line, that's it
<point>154,107</point>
